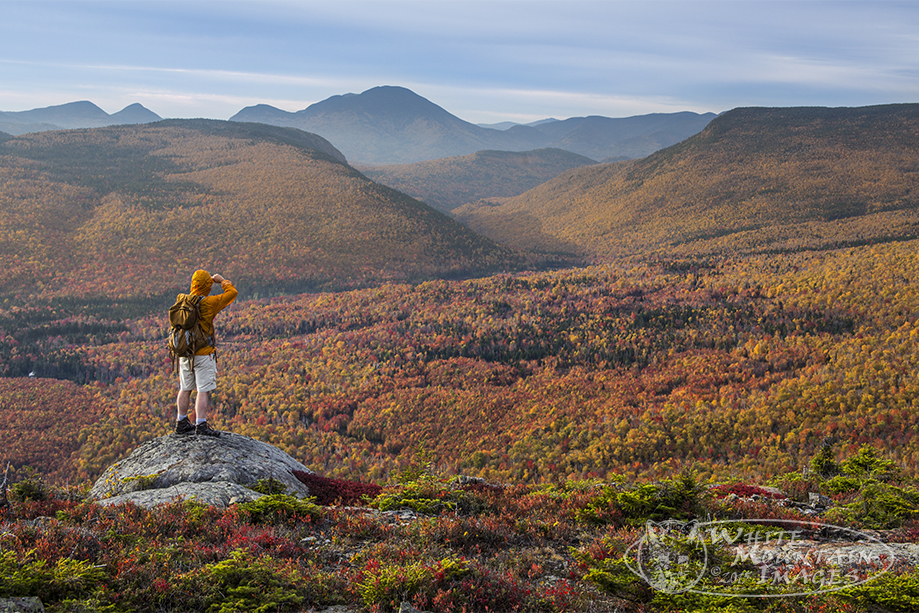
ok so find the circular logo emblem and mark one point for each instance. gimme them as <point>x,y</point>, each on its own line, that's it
<point>671,556</point>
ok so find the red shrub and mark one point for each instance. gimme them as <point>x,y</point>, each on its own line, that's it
<point>336,491</point>
<point>743,491</point>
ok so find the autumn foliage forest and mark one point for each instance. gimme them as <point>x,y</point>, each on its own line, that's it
<point>737,366</point>
<point>755,180</point>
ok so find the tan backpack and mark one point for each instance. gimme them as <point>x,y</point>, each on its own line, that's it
<point>186,336</point>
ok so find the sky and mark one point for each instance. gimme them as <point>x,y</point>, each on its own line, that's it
<point>485,61</point>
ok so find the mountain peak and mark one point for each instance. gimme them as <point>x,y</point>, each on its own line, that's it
<point>135,113</point>
<point>264,113</point>
<point>390,124</point>
<point>81,109</point>
<point>382,102</point>
<point>80,114</point>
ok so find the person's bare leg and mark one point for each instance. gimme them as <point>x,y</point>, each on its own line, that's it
<point>184,421</point>
<point>202,402</point>
<point>182,401</point>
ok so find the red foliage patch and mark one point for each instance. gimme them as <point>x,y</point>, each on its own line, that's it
<point>336,491</point>
<point>743,491</point>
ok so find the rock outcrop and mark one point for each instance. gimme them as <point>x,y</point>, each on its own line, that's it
<point>28,604</point>
<point>216,471</point>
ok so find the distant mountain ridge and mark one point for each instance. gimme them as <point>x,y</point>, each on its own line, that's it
<point>755,180</point>
<point>506,125</point>
<point>72,115</point>
<point>448,183</point>
<point>393,125</point>
<point>634,137</point>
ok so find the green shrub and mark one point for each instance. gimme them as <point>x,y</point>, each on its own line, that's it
<point>386,586</point>
<point>85,605</point>
<point>32,488</point>
<point>269,487</point>
<point>427,495</point>
<point>678,498</point>
<point>421,466</point>
<point>244,584</point>
<point>389,585</point>
<point>841,484</point>
<point>796,486</point>
<point>600,510</point>
<point>887,592</point>
<point>73,578</point>
<point>606,567</point>
<point>419,504</point>
<point>824,463</point>
<point>22,578</point>
<point>878,506</point>
<point>279,508</point>
<point>613,576</point>
<point>866,464</point>
<point>195,513</point>
<point>65,579</point>
<point>593,504</point>
<point>694,602</point>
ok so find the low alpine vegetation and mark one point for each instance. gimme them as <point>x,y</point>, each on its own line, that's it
<point>444,544</point>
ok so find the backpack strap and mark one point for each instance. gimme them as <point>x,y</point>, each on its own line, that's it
<point>195,299</point>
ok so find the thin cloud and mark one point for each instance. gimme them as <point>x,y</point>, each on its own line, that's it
<point>482,60</point>
<point>213,74</point>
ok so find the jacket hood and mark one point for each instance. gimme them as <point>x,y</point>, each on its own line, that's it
<point>201,283</point>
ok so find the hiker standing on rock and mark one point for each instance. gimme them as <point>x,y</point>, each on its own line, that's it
<point>202,373</point>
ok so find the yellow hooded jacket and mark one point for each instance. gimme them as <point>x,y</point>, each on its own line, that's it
<point>210,305</point>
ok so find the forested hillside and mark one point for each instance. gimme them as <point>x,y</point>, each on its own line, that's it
<point>738,368</point>
<point>447,183</point>
<point>41,423</point>
<point>755,180</point>
<point>130,211</point>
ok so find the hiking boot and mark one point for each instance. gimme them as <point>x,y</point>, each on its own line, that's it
<point>183,426</point>
<point>203,429</point>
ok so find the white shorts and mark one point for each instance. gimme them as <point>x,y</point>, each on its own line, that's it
<point>204,379</point>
